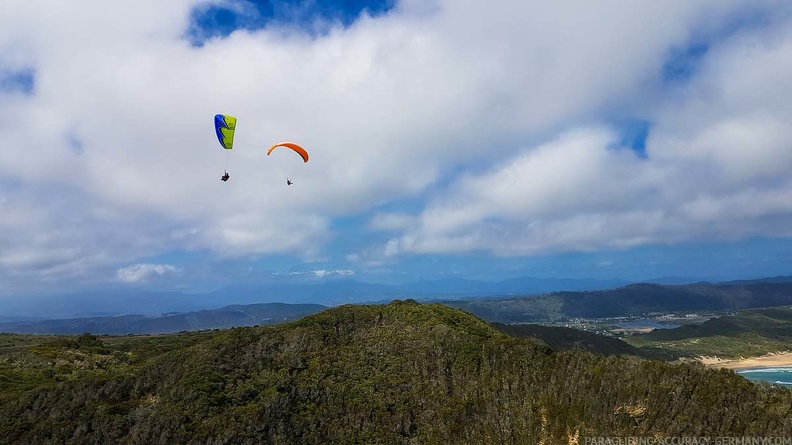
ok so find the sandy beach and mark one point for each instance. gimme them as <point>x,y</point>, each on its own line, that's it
<point>783,358</point>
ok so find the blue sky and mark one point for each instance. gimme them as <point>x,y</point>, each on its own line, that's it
<point>483,140</point>
<point>220,19</point>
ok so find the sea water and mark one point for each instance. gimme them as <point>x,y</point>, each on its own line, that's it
<point>780,375</point>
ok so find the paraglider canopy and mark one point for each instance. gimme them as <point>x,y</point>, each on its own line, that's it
<point>224,127</point>
<point>299,150</point>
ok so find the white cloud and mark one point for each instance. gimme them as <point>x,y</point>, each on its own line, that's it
<point>719,156</point>
<point>387,107</point>
<point>321,273</point>
<point>391,221</point>
<point>538,202</point>
<point>137,273</point>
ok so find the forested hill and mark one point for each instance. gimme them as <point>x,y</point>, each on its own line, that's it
<point>634,299</point>
<point>562,338</point>
<point>398,373</point>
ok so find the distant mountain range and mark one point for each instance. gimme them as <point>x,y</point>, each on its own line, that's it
<point>633,299</point>
<point>330,291</point>
<point>223,318</point>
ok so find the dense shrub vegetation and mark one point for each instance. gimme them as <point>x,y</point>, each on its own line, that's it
<point>398,373</point>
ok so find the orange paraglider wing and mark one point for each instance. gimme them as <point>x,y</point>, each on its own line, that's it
<point>300,151</point>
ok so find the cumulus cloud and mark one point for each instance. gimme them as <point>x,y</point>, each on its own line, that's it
<point>578,193</point>
<point>492,112</point>
<point>717,168</point>
<point>321,273</point>
<point>137,273</point>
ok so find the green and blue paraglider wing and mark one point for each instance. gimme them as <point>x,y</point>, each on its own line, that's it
<point>224,127</point>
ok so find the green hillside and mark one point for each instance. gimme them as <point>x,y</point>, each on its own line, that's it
<point>562,338</point>
<point>398,373</point>
<point>748,333</point>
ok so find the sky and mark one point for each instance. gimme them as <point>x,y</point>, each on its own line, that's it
<point>485,140</point>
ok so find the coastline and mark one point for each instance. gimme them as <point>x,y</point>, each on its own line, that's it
<point>781,358</point>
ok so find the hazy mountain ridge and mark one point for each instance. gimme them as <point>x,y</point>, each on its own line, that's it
<point>401,373</point>
<point>631,300</point>
<point>327,291</point>
<point>226,317</point>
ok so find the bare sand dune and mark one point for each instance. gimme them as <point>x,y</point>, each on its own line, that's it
<point>781,358</point>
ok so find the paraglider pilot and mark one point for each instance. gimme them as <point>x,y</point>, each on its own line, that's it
<point>289,181</point>
<point>225,177</point>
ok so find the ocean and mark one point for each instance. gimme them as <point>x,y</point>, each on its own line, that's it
<point>781,375</point>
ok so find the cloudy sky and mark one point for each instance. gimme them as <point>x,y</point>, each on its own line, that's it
<point>487,140</point>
